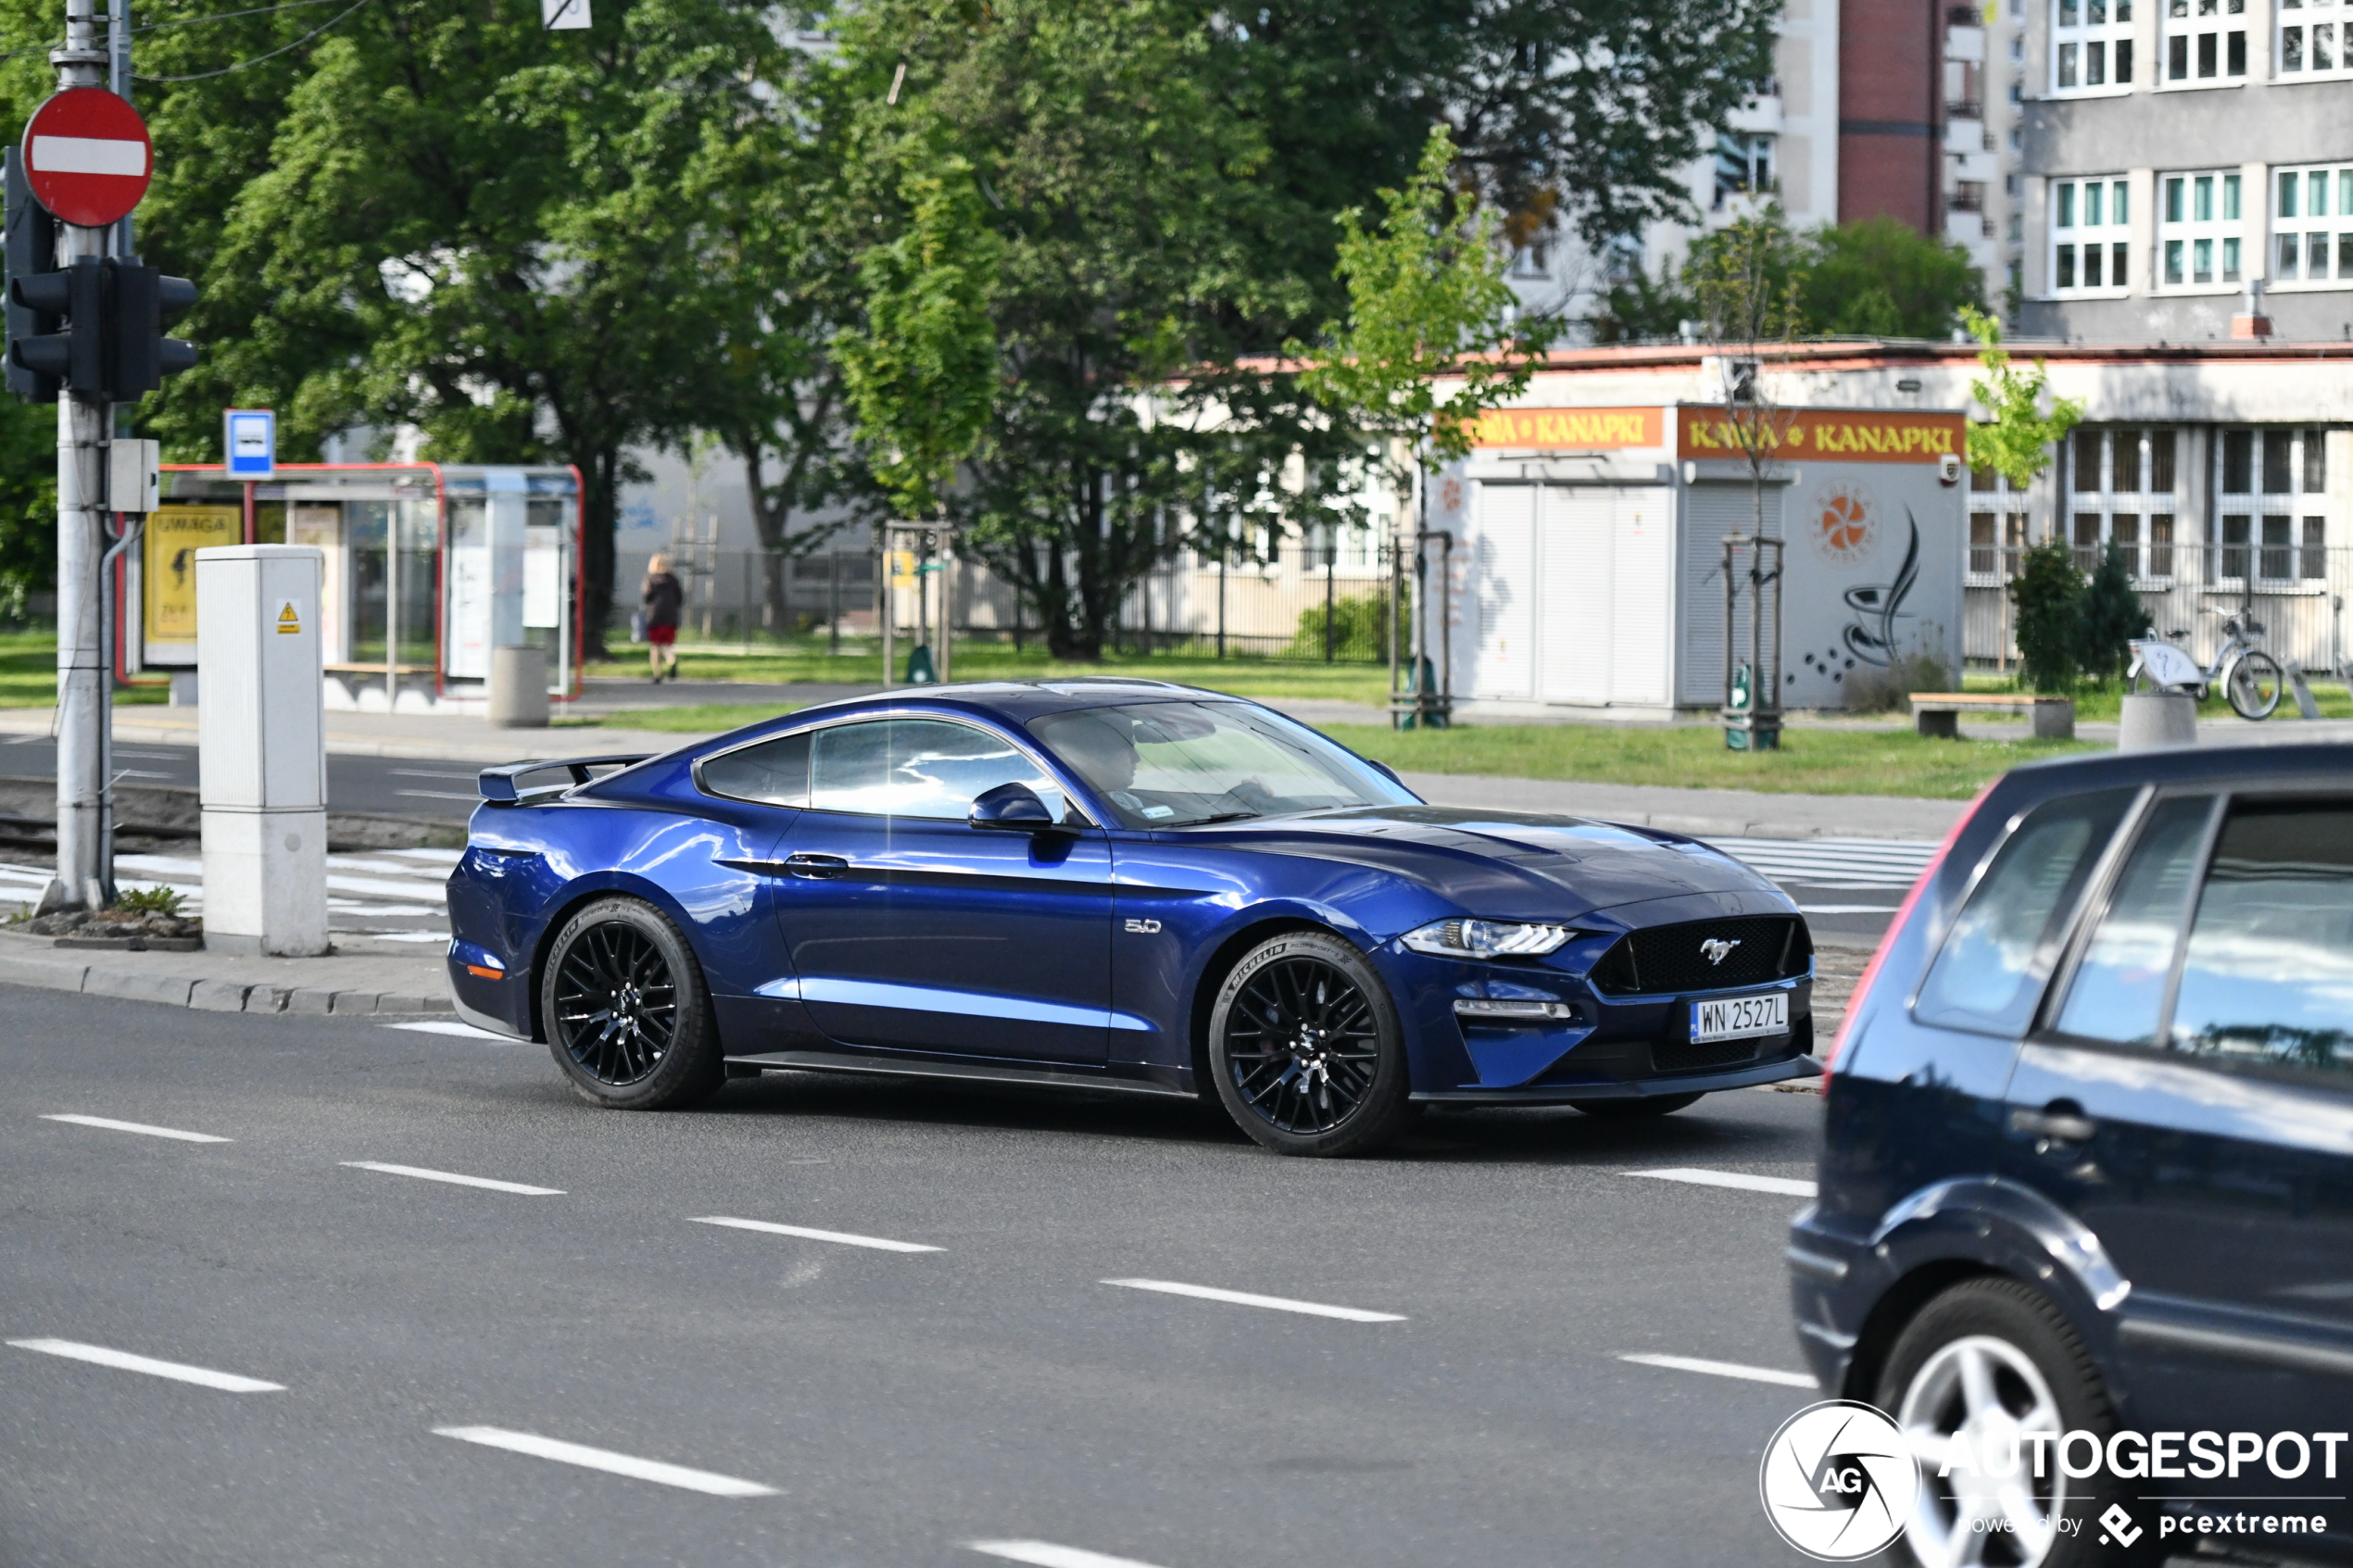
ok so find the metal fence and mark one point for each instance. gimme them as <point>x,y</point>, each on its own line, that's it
<point>1304,603</point>
<point>2295,591</point>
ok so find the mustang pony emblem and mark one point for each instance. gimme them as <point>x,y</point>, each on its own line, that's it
<point>1716,949</point>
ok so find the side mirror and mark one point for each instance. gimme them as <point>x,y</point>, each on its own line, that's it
<point>1013,807</point>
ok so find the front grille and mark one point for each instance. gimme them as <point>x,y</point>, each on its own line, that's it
<point>1670,958</point>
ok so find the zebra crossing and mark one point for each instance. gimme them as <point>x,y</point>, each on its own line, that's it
<point>382,895</point>
<point>1839,863</point>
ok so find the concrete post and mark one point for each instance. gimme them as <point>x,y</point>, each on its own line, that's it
<point>261,753</point>
<point>519,687</point>
<point>2157,719</point>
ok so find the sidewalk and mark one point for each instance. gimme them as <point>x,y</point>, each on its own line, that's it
<point>1709,813</point>
<point>341,984</point>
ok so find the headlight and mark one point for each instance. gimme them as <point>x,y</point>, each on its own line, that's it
<point>1487,939</point>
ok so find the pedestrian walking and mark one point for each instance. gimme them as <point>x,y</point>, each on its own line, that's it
<point>661,599</point>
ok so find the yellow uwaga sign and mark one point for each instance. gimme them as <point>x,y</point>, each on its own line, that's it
<point>289,623</point>
<point>169,580</point>
<point>1830,436</point>
<point>1577,430</point>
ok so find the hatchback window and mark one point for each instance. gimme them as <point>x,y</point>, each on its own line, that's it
<point>774,773</point>
<point>1998,956</point>
<point>918,768</point>
<point>2269,975</point>
<point>2118,990</point>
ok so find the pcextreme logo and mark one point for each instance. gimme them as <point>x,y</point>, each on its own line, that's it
<point>1837,1481</point>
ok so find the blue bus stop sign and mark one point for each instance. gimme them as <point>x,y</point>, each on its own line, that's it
<point>249,443</point>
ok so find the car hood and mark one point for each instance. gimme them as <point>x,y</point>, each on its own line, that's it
<point>1506,864</point>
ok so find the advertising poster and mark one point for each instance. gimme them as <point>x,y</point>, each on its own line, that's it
<point>174,535</point>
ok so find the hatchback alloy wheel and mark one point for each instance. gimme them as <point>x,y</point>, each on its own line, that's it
<point>1988,1394</point>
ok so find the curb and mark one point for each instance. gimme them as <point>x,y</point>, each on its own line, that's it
<point>211,995</point>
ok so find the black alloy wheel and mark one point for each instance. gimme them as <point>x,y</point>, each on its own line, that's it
<point>1305,1048</point>
<point>626,1014</point>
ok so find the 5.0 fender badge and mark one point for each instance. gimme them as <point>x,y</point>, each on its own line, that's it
<point>1143,927</point>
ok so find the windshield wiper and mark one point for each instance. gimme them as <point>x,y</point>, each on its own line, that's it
<point>1221,817</point>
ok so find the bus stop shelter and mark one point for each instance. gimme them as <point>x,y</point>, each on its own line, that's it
<point>429,567</point>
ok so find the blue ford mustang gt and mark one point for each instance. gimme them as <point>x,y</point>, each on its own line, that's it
<point>1109,884</point>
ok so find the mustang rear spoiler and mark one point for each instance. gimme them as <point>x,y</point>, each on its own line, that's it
<point>504,785</point>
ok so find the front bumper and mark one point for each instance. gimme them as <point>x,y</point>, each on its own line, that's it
<point>1742,1078</point>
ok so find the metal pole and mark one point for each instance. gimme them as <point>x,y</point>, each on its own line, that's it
<point>1221,607</point>
<point>947,602</point>
<point>885,609</point>
<point>1331,566</point>
<point>832,606</point>
<point>80,879</point>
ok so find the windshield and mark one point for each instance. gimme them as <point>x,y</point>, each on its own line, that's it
<point>1177,764</point>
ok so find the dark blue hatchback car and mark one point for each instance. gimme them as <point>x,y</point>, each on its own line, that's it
<point>2087,1189</point>
<point>1110,886</point>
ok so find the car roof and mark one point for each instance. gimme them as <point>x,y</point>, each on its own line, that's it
<point>1024,700</point>
<point>2319,762</point>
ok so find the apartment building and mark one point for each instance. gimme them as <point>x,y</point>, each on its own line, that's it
<point>2189,169</point>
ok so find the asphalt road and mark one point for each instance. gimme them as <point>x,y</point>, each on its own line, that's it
<point>880,1408</point>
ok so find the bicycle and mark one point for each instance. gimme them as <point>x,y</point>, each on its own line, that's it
<point>2250,678</point>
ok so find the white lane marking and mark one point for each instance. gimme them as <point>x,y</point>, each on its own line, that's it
<point>111,1125</point>
<point>438,857</point>
<point>438,794</point>
<point>385,911</point>
<point>1787,1185</point>
<point>390,935</point>
<point>451,1027</point>
<point>1845,909</point>
<point>1244,1298</point>
<point>424,1175</point>
<point>227,1382</point>
<point>607,1460</point>
<point>878,1243</point>
<point>1046,1554</point>
<point>1725,1368</point>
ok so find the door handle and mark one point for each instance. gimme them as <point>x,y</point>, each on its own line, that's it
<point>2062,1121</point>
<point>820,867</point>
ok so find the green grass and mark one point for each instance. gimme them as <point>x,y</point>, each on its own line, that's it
<point>1243,676</point>
<point>702,719</point>
<point>28,674</point>
<point>1811,761</point>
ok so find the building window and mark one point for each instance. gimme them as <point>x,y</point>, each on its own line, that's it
<point>2312,227</point>
<point>2198,240</point>
<point>2310,42</point>
<point>1532,261</point>
<point>2125,485</point>
<point>1997,529</point>
<point>2092,46</point>
<point>2089,221</point>
<point>2205,41</point>
<point>2271,488</point>
<point>1743,166</point>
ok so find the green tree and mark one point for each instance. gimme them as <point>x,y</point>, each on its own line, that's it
<point>1425,299</point>
<point>473,226</point>
<point>922,375</point>
<point>1883,278</point>
<point>2112,616</point>
<point>2048,592</point>
<point>28,504</point>
<point>2017,439</point>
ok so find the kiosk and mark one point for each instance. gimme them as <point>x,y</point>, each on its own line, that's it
<point>430,568</point>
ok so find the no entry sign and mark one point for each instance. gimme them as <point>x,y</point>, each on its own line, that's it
<point>87,157</point>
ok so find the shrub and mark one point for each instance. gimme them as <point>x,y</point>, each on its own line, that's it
<point>2049,596</point>
<point>2112,617</point>
<point>150,901</point>
<point>1355,630</point>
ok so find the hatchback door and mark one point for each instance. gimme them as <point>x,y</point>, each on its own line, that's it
<point>911,929</point>
<point>2191,1099</point>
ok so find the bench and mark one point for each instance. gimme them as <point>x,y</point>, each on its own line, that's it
<point>1938,714</point>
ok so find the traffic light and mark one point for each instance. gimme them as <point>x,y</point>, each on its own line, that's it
<point>32,253</point>
<point>95,327</point>
<point>137,354</point>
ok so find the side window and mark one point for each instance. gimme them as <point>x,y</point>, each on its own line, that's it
<point>918,768</point>
<point>1998,956</point>
<point>2269,973</point>
<point>2118,990</point>
<point>774,773</point>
